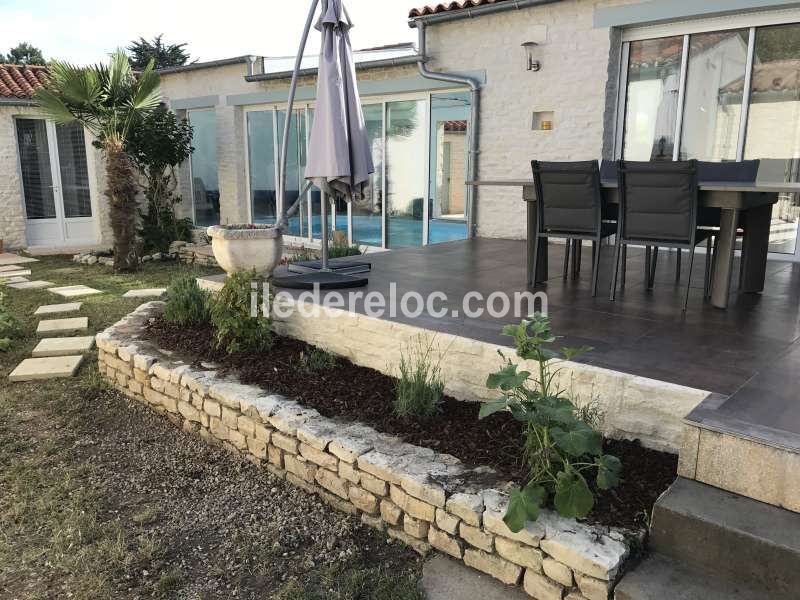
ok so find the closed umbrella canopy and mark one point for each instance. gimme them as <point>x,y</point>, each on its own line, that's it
<point>339,157</point>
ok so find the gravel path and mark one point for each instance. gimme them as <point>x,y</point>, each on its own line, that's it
<point>193,521</point>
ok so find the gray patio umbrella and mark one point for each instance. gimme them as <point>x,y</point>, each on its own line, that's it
<point>339,153</point>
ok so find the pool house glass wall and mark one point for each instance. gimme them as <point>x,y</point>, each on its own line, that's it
<point>416,195</point>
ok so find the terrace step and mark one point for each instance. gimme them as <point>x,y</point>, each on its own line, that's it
<point>728,536</point>
<point>661,578</point>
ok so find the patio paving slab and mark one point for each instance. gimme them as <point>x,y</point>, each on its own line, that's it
<point>13,280</point>
<point>32,369</point>
<point>65,346</point>
<point>447,579</point>
<point>54,309</point>
<point>15,273</point>
<point>9,258</point>
<point>30,285</point>
<point>73,291</point>
<point>6,268</point>
<point>63,326</point>
<point>145,293</point>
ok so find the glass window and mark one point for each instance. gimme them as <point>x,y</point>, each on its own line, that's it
<point>37,177</point>
<point>261,150</point>
<point>205,181</point>
<point>405,169</point>
<point>713,98</point>
<point>74,170</point>
<point>295,167</point>
<point>447,169</point>
<point>773,123</point>
<point>368,210</point>
<point>652,98</point>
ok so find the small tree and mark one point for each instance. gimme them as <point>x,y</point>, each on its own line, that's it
<point>24,54</point>
<point>110,101</point>
<point>159,144</point>
<point>163,55</point>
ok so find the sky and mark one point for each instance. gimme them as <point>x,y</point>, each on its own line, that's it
<point>85,31</point>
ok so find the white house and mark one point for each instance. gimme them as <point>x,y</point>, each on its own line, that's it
<point>490,85</point>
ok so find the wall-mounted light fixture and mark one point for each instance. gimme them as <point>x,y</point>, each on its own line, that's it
<point>533,63</point>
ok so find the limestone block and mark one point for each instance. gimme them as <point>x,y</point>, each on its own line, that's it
<point>593,589</point>
<point>581,547</point>
<point>415,527</point>
<point>284,442</point>
<point>349,472</point>
<point>476,537</point>
<point>495,566</point>
<point>302,468</point>
<point>416,508</point>
<point>520,554</point>
<point>495,503</point>
<point>446,522</point>
<point>319,457</point>
<point>468,507</point>
<point>390,512</point>
<point>363,500</point>
<point>330,481</point>
<point>445,543</point>
<point>540,587</point>
<point>557,571</point>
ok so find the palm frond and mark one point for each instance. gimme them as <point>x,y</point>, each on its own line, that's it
<point>53,107</point>
<point>146,95</point>
<point>120,75</point>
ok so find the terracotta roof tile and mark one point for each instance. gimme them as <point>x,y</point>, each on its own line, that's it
<point>460,125</point>
<point>21,81</point>
<point>448,7</point>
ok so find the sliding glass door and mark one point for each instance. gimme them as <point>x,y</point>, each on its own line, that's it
<point>720,96</point>
<point>205,179</point>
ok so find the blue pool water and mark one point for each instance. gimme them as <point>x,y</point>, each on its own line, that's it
<point>403,232</point>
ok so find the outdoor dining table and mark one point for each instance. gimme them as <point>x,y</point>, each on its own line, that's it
<point>748,205</point>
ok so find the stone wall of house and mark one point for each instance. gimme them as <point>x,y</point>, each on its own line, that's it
<point>12,213</point>
<point>573,82</point>
<point>422,498</point>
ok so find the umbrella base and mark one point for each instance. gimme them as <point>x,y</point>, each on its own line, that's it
<point>344,267</point>
<point>325,280</point>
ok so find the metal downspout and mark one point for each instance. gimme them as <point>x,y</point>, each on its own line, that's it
<point>474,125</point>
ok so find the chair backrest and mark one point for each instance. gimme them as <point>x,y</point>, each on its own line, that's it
<point>608,170</point>
<point>568,196</point>
<point>741,171</point>
<point>658,201</point>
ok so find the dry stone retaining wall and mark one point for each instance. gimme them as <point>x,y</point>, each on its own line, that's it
<point>420,497</point>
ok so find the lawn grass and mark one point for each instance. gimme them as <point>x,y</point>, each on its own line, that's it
<point>72,527</point>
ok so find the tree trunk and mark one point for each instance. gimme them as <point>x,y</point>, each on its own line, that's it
<point>121,194</point>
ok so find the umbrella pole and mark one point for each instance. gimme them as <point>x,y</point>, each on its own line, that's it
<point>323,208</point>
<point>290,105</point>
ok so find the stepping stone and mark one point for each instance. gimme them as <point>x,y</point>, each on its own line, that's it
<point>72,291</point>
<point>65,326</point>
<point>30,285</point>
<point>13,280</point>
<point>5,268</point>
<point>15,273</point>
<point>54,309</point>
<point>31,369</point>
<point>9,258</point>
<point>63,346</point>
<point>145,293</point>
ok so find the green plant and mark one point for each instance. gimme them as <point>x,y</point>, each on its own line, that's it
<point>187,304</point>
<point>110,102</point>
<point>237,330</point>
<point>8,325</point>
<point>315,361</point>
<point>339,251</point>
<point>560,448</point>
<point>162,54</point>
<point>157,146</point>
<point>419,388</point>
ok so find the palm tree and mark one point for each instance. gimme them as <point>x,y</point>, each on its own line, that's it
<point>109,101</point>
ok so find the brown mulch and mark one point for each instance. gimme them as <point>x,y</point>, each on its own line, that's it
<point>360,394</point>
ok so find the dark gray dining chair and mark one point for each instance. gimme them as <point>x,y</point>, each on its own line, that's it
<point>570,206</point>
<point>658,208</point>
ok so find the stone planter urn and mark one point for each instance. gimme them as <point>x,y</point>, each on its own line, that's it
<point>246,247</point>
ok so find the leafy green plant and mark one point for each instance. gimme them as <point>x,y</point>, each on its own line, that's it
<point>419,387</point>
<point>561,449</point>
<point>339,251</point>
<point>237,330</point>
<point>314,361</point>
<point>187,304</point>
<point>8,325</point>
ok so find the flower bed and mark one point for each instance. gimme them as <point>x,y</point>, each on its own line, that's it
<point>423,497</point>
